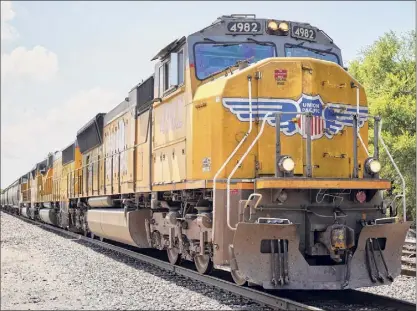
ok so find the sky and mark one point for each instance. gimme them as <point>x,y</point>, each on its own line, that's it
<point>64,62</point>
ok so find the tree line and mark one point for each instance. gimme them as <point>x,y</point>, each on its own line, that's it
<point>387,70</point>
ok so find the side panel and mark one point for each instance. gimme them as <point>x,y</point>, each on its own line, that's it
<point>77,174</point>
<point>24,191</point>
<point>169,139</point>
<point>47,181</point>
<point>56,180</point>
<point>39,188</point>
<point>117,138</point>
<point>67,184</point>
<point>108,168</point>
<point>126,147</point>
<point>117,128</point>
<point>91,172</point>
<point>34,190</point>
<point>142,152</point>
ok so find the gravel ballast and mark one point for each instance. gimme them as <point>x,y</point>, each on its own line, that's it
<point>42,270</point>
<point>403,287</point>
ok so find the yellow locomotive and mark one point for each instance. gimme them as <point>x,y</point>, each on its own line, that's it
<point>246,150</point>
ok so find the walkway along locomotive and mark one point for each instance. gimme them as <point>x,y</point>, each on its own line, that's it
<point>246,150</point>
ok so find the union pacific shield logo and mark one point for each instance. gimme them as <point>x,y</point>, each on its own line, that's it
<point>315,106</point>
<point>328,119</point>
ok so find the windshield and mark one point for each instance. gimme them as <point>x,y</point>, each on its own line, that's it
<point>299,51</point>
<point>213,57</point>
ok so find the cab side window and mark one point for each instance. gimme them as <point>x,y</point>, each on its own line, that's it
<point>171,73</point>
<point>181,67</point>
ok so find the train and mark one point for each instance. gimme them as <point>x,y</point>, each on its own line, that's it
<point>246,150</point>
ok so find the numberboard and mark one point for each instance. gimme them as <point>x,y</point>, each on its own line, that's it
<point>303,32</point>
<point>244,27</point>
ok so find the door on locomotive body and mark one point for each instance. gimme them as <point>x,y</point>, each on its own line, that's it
<point>120,153</point>
<point>142,155</point>
<point>89,141</point>
<point>127,145</point>
<point>101,168</point>
<point>68,174</point>
<point>108,178</point>
<point>169,126</point>
<point>90,172</point>
<point>115,160</point>
<point>237,123</point>
<point>94,172</point>
<point>29,188</point>
<point>86,174</point>
<point>78,162</point>
<point>57,166</point>
<point>139,158</point>
<point>86,169</point>
<point>112,140</point>
<point>121,142</point>
<point>34,187</point>
<point>48,179</point>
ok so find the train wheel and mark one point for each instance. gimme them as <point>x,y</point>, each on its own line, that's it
<point>204,264</point>
<point>174,255</point>
<point>238,277</point>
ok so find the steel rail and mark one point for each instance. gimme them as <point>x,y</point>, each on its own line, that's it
<point>289,302</point>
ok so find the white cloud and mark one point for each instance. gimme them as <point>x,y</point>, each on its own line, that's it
<point>8,32</point>
<point>29,139</point>
<point>38,63</point>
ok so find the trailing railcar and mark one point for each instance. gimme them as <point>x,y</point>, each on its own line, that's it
<point>246,150</point>
<point>12,197</point>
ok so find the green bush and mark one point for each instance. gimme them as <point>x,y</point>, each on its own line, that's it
<point>387,70</point>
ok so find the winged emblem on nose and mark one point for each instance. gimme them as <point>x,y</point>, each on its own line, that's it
<point>328,119</point>
<point>337,116</point>
<point>260,107</point>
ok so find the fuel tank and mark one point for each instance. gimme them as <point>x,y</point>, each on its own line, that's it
<point>104,201</point>
<point>48,216</point>
<point>115,224</point>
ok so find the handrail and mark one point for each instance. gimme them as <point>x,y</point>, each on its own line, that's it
<point>250,198</point>
<point>396,168</point>
<point>357,125</point>
<point>237,166</point>
<point>233,153</point>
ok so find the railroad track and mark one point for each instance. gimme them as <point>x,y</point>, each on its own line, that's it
<point>281,300</point>
<point>408,258</point>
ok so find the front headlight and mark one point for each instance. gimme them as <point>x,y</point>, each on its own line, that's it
<point>286,164</point>
<point>373,166</point>
<point>273,25</point>
<point>283,27</point>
